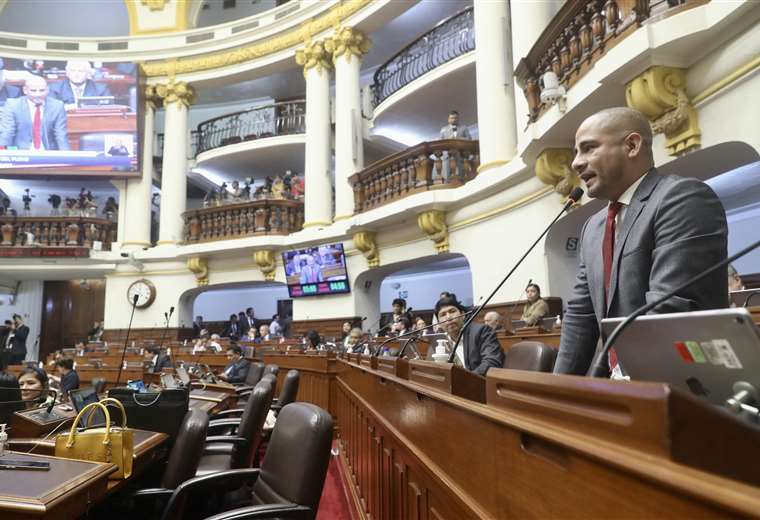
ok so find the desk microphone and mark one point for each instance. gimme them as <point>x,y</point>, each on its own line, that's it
<point>746,302</point>
<point>574,197</point>
<point>167,316</point>
<point>412,332</point>
<point>600,366</point>
<point>126,339</point>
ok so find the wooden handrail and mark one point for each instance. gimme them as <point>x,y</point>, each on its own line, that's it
<point>57,231</point>
<point>446,163</point>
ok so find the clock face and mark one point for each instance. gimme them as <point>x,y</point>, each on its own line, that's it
<point>145,291</point>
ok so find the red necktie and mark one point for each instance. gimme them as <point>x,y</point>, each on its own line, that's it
<point>36,126</point>
<point>608,249</point>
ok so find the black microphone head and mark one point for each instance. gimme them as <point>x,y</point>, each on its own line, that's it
<point>576,194</point>
<point>171,311</point>
<point>166,315</point>
<point>364,318</point>
<point>135,298</point>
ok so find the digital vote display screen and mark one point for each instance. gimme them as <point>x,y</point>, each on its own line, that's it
<point>316,271</point>
<point>76,117</point>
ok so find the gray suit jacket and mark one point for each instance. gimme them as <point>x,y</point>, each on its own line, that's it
<point>16,125</point>
<point>447,132</point>
<point>674,228</point>
<point>481,349</point>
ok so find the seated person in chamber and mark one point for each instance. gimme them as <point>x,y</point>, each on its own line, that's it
<point>345,330</point>
<point>479,349</point>
<point>237,370</point>
<point>399,310</point>
<point>402,325</point>
<point>536,309</point>
<point>275,328</point>
<point>159,359</point>
<point>493,320</point>
<point>232,330</point>
<point>69,377</point>
<point>206,343</point>
<point>353,338</point>
<point>96,333</point>
<point>313,341</point>
<point>34,121</point>
<point>78,84</point>
<point>264,334</point>
<point>34,385</point>
<point>10,395</point>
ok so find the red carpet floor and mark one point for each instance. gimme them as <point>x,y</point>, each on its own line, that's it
<point>334,504</point>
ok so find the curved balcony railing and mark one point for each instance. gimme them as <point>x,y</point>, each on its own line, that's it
<point>56,232</point>
<point>581,33</point>
<point>447,163</point>
<point>288,117</point>
<point>245,219</point>
<point>451,38</point>
<point>159,151</point>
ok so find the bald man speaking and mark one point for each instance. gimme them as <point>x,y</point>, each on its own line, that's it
<point>656,232</point>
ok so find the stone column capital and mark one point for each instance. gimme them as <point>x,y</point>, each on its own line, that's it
<point>152,99</point>
<point>265,260</point>
<point>176,92</point>
<point>348,42</point>
<point>314,55</point>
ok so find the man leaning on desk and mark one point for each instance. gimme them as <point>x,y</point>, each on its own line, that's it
<point>656,232</point>
<point>237,370</point>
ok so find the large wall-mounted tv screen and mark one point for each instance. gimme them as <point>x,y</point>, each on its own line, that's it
<point>68,117</point>
<point>316,270</point>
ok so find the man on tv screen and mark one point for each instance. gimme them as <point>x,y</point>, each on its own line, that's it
<point>6,91</point>
<point>34,121</point>
<point>78,84</point>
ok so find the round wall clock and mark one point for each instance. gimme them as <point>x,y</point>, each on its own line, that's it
<point>145,291</point>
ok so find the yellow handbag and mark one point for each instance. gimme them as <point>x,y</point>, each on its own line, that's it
<point>102,444</point>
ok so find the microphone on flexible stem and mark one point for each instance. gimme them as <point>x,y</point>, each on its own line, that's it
<point>163,336</point>
<point>599,368</point>
<point>412,332</point>
<point>574,197</point>
<point>512,310</point>
<point>52,403</point>
<point>126,339</point>
<point>746,302</point>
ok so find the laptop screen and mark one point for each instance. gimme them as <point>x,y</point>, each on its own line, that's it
<point>81,398</point>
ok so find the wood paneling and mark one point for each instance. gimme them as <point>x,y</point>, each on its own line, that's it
<point>69,310</point>
<point>154,334</point>
<point>332,328</point>
<point>317,373</point>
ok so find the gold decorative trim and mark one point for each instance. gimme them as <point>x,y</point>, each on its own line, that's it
<point>267,263</point>
<point>366,243</point>
<point>348,42</point>
<point>286,40</point>
<point>176,92</point>
<point>491,164</point>
<point>660,93</point>
<point>315,223</point>
<point>199,267</point>
<point>314,55</point>
<point>155,5</point>
<point>433,223</point>
<point>553,167</point>
<point>728,80</point>
<point>135,243</point>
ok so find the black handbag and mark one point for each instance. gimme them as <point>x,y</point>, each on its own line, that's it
<point>154,411</point>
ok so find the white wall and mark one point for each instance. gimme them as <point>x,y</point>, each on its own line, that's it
<point>424,288</point>
<point>742,231</point>
<point>217,305</point>
<point>27,304</point>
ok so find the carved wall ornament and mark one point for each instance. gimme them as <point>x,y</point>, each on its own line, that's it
<point>155,5</point>
<point>348,42</point>
<point>176,92</point>
<point>660,94</point>
<point>285,40</point>
<point>366,243</point>
<point>199,267</point>
<point>433,223</point>
<point>265,259</point>
<point>151,96</point>
<point>314,55</point>
<point>554,167</point>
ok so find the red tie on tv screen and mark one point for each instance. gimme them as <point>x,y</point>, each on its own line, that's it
<point>36,128</point>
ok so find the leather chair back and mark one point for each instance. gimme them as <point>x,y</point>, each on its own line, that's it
<point>530,355</point>
<point>251,424</point>
<point>272,369</point>
<point>255,371</point>
<point>272,380</point>
<point>187,450</point>
<point>289,389</point>
<point>295,466</point>
<point>99,384</point>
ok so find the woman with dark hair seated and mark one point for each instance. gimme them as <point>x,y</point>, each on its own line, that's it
<point>10,394</point>
<point>536,308</point>
<point>314,342</point>
<point>33,382</point>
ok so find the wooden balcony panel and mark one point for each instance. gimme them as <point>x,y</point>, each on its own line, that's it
<point>447,163</point>
<point>63,233</point>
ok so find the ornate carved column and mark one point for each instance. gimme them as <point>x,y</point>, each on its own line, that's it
<point>554,167</point>
<point>497,132</point>
<point>433,223</point>
<point>199,267</point>
<point>348,46</point>
<point>265,259</point>
<point>135,202</point>
<point>366,243</point>
<point>315,59</point>
<point>660,93</point>
<point>177,97</point>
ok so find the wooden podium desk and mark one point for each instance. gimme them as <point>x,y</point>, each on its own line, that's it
<point>64,492</point>
<point>317,376</point>
<point>541,446</point>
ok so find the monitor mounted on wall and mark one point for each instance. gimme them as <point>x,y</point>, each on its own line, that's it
<point>316,271</point>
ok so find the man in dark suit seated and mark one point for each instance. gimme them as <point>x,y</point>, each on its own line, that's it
<point>160,359</point>
<point>237,370</point>
<point>77,85</point>
<point>6,91</point>
<point>34,121</point>
<point>656,232</point>
<point>69,377</point>
<point>479,349</point>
